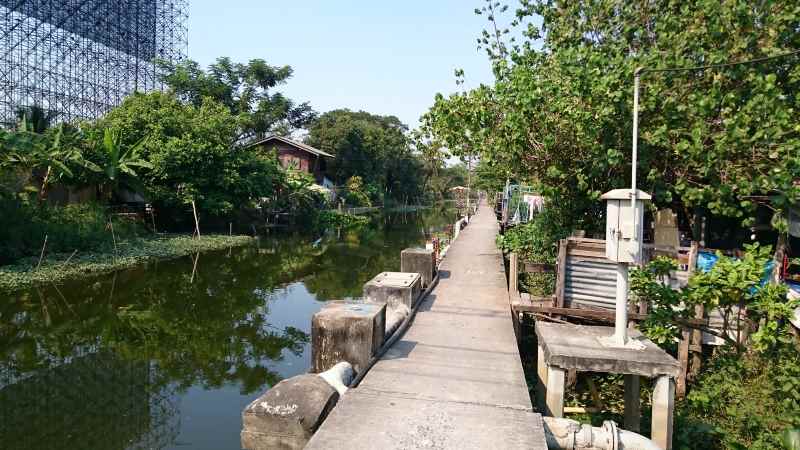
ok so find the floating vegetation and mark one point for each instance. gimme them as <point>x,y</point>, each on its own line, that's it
<point>59,267</point>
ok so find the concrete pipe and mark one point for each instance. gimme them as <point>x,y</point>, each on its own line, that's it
<point>339,376</point>
<point>567,434</point>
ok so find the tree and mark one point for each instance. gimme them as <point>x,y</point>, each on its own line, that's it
<point>191,151</point>
<point>375,148</point>
<point>245,89</point>
<point>723,139</point>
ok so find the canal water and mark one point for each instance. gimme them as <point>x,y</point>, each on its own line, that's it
<point>166,356</point>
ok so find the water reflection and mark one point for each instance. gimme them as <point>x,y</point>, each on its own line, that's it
<point>143,357</point>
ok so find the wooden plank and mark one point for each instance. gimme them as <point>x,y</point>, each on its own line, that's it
<point>513,273</point>
<point>596,314</point>
<point>561,266</point>
<point>683,359</point>
<point>588,254</point>
<point>531,267</point>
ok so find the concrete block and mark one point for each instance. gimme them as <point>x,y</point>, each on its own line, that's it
<point>346,331</point>
<point>421,261</point>
<point>396,289</point>
<point>554,397</point>
<point>288,414</point>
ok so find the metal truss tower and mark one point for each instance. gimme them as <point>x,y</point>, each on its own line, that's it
<point>78,58</point>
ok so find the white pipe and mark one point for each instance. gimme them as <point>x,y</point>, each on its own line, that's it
<point>567,434</point>
<point>339,376</point>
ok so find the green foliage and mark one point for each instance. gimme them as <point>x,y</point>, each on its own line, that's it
<point>375,148</point>
<point>192,153</point>
<point>354,193</point>
<point>89,261</point>
<point>535,241</point>
<point>245,89</point>
<point>732,284</point>
<point>23,228</point>
<point>560,111</point>
<point>742,402</point>
<point>334,219</point>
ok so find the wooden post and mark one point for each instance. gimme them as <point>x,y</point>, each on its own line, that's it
<point>696,346</point>
<point>196,222</point>
<point>513,274</point>
<point>561,277</point>
<point>632,403</point>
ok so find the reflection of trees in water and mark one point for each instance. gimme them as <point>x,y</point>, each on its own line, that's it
<point>96,364</point>
<point>88,401</point>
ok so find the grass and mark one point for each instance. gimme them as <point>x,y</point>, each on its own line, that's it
<point>59,267</point>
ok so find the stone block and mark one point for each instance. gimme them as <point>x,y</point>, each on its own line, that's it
<point>288,414</point>
<point>396,289</point>
<point>346,331</point>
<point>421,261</point>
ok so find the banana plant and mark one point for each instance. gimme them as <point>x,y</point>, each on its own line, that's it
<point>120,162</point>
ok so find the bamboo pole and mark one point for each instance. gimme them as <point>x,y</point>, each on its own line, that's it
<point>41,255</point>
<point>196,222</point>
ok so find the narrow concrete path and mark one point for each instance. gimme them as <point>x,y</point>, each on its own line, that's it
<point>455,380</point>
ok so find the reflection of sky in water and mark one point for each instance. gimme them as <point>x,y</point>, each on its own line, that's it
<point>211,334</point>
<point>211,419</point>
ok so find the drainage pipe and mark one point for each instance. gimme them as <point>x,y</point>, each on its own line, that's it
<point>567,434</point>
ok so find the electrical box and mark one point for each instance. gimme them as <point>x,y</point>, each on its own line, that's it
<point>624,224</point>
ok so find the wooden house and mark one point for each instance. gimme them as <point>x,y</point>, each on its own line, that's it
<point>296,154</point>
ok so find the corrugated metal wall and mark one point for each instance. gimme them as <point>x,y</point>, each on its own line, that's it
<point>590,283</point>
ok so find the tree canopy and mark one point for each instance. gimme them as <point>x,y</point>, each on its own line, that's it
<point>376,148</point>
<point>247,90</point>
<point>724,138</point>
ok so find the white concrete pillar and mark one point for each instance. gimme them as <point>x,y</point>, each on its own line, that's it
<point>554,396</point>
<point>632,403</point>
<point>663,406</point>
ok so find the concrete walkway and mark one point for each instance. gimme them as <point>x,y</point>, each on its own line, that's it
<point>455,380</point>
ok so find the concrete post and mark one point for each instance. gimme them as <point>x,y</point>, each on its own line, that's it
<point>394,288</point>
<point>288,414</point>
<point>663,405</point>
<point>346,331</point>
<point>421,261</point>
<point>632,403</point>
<point>554,397</point>
<point>541,382</point>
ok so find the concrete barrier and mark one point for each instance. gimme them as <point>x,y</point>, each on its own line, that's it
<point>421,261</point>
<point>346,331</point>
<point>288,414</point>
<point>394,288</point>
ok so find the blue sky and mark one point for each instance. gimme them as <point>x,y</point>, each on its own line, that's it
<point>385,57</point>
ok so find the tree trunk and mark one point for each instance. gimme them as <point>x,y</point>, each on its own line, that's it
<point>43,189</point>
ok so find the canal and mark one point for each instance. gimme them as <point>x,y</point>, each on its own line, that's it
<point>167,355</point>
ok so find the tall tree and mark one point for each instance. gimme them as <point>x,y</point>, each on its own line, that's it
<point>373,147</point>
<point>246,89</point>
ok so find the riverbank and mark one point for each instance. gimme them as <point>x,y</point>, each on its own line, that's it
<point>59,267</point>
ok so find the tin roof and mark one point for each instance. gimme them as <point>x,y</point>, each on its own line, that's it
<point>298,145</point>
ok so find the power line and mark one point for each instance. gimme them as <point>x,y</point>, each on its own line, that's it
<point>721,65</point>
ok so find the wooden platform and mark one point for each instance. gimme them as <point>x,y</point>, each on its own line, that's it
<point>455,379</point>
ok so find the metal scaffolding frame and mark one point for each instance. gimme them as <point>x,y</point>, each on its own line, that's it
<point>78,58</point>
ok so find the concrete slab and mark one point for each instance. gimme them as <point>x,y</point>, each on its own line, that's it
<point>578,347</point>
<point>396,422</point>
<point>455,379</point>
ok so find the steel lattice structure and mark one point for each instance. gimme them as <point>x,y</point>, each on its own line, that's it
<point>78,58</point>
